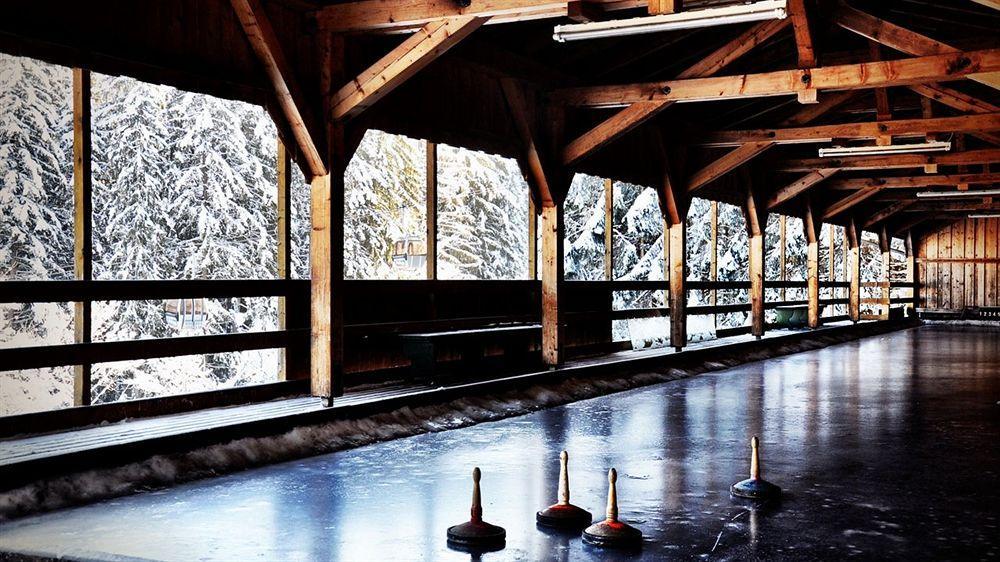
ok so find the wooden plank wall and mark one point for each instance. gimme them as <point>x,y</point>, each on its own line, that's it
<point>959,263</point>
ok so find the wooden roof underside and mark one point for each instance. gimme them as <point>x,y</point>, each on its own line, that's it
<point>459,97</point>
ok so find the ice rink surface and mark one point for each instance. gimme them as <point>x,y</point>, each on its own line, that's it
<point>886,448</point>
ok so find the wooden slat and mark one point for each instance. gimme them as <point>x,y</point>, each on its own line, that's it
<point>403,62</point>
<point>627,119</point>
<point>868,130</point>
<point>289,96</point>
<point>893,161</point>
<point>900,72</point>
<point>103,352</point>
<point>799,186</point>
<point>83,268</point>
<point>432,219</point>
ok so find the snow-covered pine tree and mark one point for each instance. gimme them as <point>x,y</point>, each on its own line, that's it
<point>36,166</point>
<point>584,222</point>
<point>483,216</point>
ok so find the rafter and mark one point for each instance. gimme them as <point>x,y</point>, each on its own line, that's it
<point>850,201</point>
<point>869,130</point>
<point>265,44</point>
<point>887,212</point>
<point>747,152</point>
<point>538,167</point>
<point>900,72</point>
<point>960,101</point>
<point>908,182</point>
<point>631,117</point>
<point>419,50</point>
<point>803,37</point>
<point>799,186</point>
<point>892,161</point>
<point>900,38</point>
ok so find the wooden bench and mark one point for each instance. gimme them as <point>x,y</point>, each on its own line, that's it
<point>471,344</point>
<point>793,315</point>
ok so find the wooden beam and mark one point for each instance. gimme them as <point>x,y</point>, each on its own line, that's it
<point>583,11</point>
<point>747,152</point>
<point>900,72</point>
<point>755,213</point>
<point>539,166</point>
<point>799,186</point>
<point>886,213</point>
<point>674,205</point>
<point>850,201</point>
<point>83,258</point>
<point>627,119</point>
<point>284,239</point>
<point>868,130</point>
<point>553,233</point>
<point>908,182</point>
<point>853,256</point>
<point>884,243</point>
<point>901,39</point>
<point>960,101</point>
<point>388,73</point>
<point>395,16</point>
<point>656,7</point>
<point>892,161</point>
<point>432,204</point>
<point>812,226</point>
<point>609,238</point>
<point>265,44</point>
<point>803,37</point>
<point>883,111</point>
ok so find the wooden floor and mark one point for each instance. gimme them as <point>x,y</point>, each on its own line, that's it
<point>25,457</point>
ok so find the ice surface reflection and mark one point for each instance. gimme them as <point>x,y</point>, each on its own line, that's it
<point>847,432</point>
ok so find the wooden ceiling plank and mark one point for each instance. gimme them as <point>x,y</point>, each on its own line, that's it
<point>631,117</point>
<point>265,44</point>
<point>867,130</point>
<point>400,64</point>
<point>900,72</point>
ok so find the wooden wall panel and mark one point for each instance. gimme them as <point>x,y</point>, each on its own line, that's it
<point>959,265</point>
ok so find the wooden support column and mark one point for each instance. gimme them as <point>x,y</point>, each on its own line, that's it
<point>284,238</point>
<point>432,204</point>
<point>832,265</point>
<point>674,205</point>
<point>912,271</point>
<point>532,238</point>
<point>853,234</point>
<point>755,213</point>
<point>553,234</point>
<point>812,228</point>
<point>609,240</point>
<point>82,225</point>
<point>782,257</point>
<point>884,242</point>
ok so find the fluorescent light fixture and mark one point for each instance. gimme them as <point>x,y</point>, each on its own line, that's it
<point>936,146</point>
<point>752,11</point>
<point>958,194</point>
<point>985,216</point>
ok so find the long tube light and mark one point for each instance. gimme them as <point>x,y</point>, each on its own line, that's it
<point>958,194</point>
<point>708,17</point>
<point>985,216</point>
<point>935,146</point>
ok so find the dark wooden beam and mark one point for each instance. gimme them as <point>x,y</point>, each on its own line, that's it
<point>909,182</point>
<point>799,186</point>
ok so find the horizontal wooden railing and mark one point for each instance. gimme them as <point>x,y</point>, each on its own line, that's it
<point>296,293</point>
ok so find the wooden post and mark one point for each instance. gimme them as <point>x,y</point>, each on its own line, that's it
<point>713,264</point>
<point>678,294</point>
<point>532,238</point>
<point>284,237</point>
<point>664,6</point>
<point>812,230</point>
<point>853,234</point>
<point>552,279</point>
<point>82,225</point>
<point>884,243</point>
<point>782,257</point>
<point>432,203</point>
<point>755,213</point>
<point>912,272</point>
<point>609,241</point>
<point>832,265</point>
